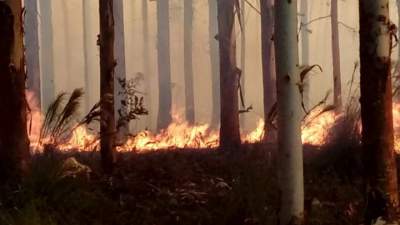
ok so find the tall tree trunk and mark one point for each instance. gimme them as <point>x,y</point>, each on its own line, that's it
<point>68,46</point>
<point>376,111</point>
<point>14,142</point>
<point>120,68</point>
<point>107,64</point>
<point>188,56</point>
<point>47,54</point>
<point>32,48</point>
<point>229,76</point>
<point>289,114</point>
<point>89,39</point>
<point>337,83</point>
<point>305,51</point>
<point>268,65</point>
<point>164,65</point>
<point>146,59</point>
<point>214,62</point>
<point>243,58</point>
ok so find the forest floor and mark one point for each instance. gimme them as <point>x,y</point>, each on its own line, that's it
<point>192,187</point>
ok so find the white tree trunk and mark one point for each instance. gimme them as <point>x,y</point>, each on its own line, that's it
<point>120,69</point>
<point>305,56</point>
<point>289,113</point>
<point>146,60</point>
<point>337,83</point>
<point>47,53</point>
<point>188,60</point>
<point>32,47</point>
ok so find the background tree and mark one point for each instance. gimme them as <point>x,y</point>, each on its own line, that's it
<point>337,81</point>
<point>14,142</point>
<point>107,64</point>
<point>305,50</point>
<point>243,58</point>
<point>188,60</point>
<point>229,75</point>
<point>120,68</point>
<point>376,111</point>
<point>146,58</point>
<point>47,53</point>
<point>214,61</point>
<point>67,40</point>
<point>164,65</point>
<point>268,64</point>
<point>290,149</point>
<point>32,48</point>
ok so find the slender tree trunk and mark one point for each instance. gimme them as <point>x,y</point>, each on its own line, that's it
<point>188,56</point>
<point>14,142</point>
<point>376,111</point>
<point>289,114</point>
<point>107,64</point>
<point>89,38</point>
<point>68,46</point>
<point>120,68</point>
<point>146,59</point>
<point>164,65</point>
<point>305,48</point>
<point>214,62</point>
<point>32,48</point>
<point>337,83</point>
<point>229,76</point>
<point>243,58</point>
<point>47,54</point>
<point>268,65</point>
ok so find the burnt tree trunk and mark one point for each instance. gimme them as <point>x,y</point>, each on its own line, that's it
<point>32,48</point>
<point>268,65</point>
<point>14,142</point>
<point>107,65</point>
<point>376,112</point>
<point>188,57</point>
<point>214,61</point>
<point>229,76</point>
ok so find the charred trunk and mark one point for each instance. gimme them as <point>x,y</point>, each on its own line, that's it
<point>14,142</point>
<point>229,76</point>
<point>107,65</point>
<point>188,57</point>
<point>376,112</point>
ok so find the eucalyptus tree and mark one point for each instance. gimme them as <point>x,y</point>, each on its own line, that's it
<point>376,112</point>
<point>290,150</point>
<point>229,75</point>
<point>14,142</point>
<point>188,60</point>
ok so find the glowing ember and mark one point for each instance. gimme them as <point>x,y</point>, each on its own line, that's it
<point>180,134</point>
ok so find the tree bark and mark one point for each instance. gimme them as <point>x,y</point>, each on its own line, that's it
<point>376,111</point>
<point>89,39</point>
<point>243,59</point>
<point>14,142</point>
<point>305,48</point>
<point>337,83</point>
<point>229,76</point>
<point>188,57</point>
<point>32,48</point>
<point>164,65</point>
<point>214,62</point>
<point>268,65</point>
<point>47,54</point>
<point>120,68</point>
<point>107,65</point>
<point>289,114</point>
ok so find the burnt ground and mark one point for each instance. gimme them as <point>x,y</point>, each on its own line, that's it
<point>184,187</point>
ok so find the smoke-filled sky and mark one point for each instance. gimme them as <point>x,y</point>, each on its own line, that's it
<point>69,51</point>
